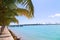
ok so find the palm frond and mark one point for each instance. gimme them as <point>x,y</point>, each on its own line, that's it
<point>9,9</point>
<point>23,12</point>
<point>28,6</point>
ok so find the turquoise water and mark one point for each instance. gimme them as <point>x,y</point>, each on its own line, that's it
<point>38,32</point>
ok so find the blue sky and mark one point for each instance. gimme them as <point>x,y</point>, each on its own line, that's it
<point>45,11</point>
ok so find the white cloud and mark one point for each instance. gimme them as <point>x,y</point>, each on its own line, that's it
<point>42,23</point>
<point>55,15</point>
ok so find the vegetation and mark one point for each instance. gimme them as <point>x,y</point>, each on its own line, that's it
<point>9,10</point>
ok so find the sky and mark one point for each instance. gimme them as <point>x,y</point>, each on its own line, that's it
<point>45,11</point>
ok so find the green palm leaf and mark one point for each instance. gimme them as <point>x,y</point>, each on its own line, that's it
<point>9,9</point>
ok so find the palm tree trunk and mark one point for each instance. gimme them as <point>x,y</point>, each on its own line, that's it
<point>2,29</point>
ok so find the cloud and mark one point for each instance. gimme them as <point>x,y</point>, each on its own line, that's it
<point>55,15</point>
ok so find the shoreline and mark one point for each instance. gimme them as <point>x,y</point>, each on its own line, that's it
<point>30,25</point>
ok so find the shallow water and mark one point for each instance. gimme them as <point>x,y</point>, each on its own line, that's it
<point>38,32</point>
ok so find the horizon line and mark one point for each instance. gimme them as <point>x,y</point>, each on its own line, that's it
<point>21,25</point>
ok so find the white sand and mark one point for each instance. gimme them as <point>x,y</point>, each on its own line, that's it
<point>6,35</point>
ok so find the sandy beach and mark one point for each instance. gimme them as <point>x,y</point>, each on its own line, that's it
<point>6,35</point>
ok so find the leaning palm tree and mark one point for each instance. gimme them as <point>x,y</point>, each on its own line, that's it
<point>9,10</point>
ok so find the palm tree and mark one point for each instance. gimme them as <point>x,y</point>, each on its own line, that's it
<point>9,10</point>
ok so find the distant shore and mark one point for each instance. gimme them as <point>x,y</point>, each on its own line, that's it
<point>30,25</point>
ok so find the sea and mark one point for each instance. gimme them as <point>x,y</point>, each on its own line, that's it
<point>37,32</point>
